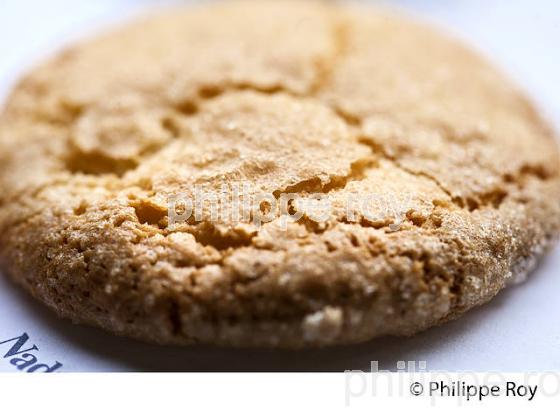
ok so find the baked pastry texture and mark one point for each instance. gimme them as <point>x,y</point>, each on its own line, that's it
<point>296,98</point>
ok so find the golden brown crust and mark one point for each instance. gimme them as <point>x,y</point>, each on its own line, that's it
<point>288,98</point>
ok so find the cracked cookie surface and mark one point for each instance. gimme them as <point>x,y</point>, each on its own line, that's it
<point>286,98</point>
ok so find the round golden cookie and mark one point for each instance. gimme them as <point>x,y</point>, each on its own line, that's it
<point>403,180</point>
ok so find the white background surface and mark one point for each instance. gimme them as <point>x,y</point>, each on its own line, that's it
<point>518,331</point>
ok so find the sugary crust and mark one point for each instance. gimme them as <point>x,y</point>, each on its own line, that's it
<point>303,98</point>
